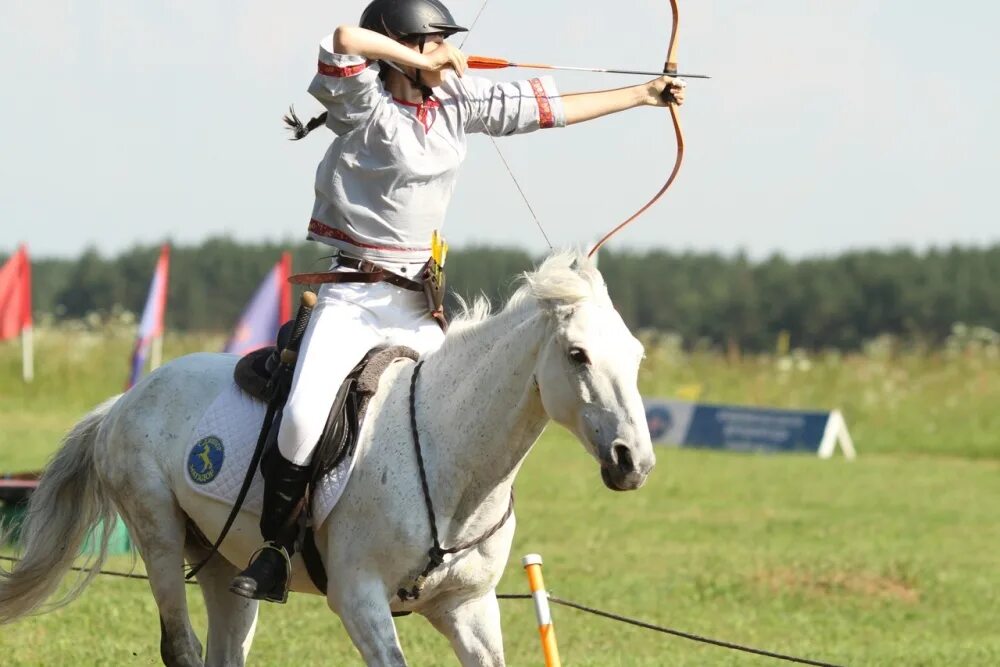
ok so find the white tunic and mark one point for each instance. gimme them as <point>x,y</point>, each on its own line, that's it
<point>386,181</point>
<point>381,189</point>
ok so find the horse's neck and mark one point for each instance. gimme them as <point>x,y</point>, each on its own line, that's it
<point>481,413</point>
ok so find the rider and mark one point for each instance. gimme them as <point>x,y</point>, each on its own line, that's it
<point>397,99</point>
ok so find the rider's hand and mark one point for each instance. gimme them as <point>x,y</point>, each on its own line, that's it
<point>661,92</point>
<point>445,56</point>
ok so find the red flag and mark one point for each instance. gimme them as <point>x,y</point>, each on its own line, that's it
<point>268,309</point>
<point>286,293</point>
<point>15,294</point>
<point>151,324</point>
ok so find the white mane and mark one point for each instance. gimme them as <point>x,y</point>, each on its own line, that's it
<point>564,278</point>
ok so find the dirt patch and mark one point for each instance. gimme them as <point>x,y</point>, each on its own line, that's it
<point>834,583</point>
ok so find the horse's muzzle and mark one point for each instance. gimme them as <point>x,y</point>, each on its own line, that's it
<point>620,471</point>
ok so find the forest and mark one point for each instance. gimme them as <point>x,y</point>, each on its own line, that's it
<point>708,299</point>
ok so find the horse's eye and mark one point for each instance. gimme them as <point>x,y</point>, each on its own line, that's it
<point>579,356</point>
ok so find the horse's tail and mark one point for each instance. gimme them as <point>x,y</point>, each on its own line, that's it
<point>68,502</point>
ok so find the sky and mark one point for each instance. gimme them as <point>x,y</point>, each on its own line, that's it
<point>828,126</point>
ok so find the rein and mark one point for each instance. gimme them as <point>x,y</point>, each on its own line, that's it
<point>436,554</point>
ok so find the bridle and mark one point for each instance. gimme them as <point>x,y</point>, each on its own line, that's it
<point>436,554</point>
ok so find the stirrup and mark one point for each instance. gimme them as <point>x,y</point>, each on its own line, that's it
<point>273,546</point>
<point>269,595</point>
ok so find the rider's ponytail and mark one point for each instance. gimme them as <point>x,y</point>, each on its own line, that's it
<point>300,130</point>
<point>296,127</point>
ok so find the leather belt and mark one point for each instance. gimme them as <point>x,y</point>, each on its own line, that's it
<point>359,264</point>
<point>364,272</point>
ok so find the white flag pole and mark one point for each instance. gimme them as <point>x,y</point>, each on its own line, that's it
<point>27,354</point>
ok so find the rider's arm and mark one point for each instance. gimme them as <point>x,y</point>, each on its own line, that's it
<point>509,107</point>
<point>581,107</point>
<point>347,85</point>
<point>354,41</point>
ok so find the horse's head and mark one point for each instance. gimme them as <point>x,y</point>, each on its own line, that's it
<point>587,370</point>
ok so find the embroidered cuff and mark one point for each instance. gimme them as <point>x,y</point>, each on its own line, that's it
<point>338,64</point>
<point>550,106</point>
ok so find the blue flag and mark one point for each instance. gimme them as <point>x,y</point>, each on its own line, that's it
<point>151,324</point>
<point>269,308</point>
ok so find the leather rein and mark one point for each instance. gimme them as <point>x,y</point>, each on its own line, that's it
<point>436,554</point>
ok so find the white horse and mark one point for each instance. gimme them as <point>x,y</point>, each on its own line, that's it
<point>558,351</point>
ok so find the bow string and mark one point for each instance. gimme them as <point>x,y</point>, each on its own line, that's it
<point>669,68</point>
<point>496,146</point>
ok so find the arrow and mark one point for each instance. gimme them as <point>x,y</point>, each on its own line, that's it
<point>483,62</point>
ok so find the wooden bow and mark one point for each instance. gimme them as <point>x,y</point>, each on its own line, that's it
<point>670,68</point>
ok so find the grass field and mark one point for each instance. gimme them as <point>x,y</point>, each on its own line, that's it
<point>889,560</point>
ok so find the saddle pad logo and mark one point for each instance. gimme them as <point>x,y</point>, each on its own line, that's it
<point>205,460</point>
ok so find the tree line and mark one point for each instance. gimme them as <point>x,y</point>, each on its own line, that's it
<point>707,298</point>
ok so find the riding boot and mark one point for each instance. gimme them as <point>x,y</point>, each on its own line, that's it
<point>284,490</point>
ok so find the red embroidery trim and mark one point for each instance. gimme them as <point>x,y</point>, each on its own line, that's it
<point>320,229</point>
<point>334,70</point>
<point>545,116</point>
<point>422,110</point>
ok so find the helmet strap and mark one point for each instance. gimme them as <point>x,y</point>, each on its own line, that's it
<point>418,80</point>
<point>426,91</point>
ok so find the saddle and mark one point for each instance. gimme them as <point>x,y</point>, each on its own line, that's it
<point>254,374</point>
<point>254,371</point>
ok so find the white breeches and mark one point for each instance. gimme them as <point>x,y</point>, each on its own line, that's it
<point>349,319</point>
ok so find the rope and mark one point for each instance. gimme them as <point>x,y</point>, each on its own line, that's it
<point>109,573</point>
<point>677,633</point>
<point>565,603</point>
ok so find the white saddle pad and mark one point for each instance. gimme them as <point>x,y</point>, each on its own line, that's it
<point>222,445</point>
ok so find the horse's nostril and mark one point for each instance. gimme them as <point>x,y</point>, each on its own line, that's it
<point>623,457</point>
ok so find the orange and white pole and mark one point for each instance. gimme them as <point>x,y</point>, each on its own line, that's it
<point>533,566</point>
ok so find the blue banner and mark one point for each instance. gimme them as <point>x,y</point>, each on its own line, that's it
<point>748,429</point>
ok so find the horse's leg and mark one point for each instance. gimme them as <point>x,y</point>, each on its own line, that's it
<point>365,612</point>
<point>232,619</point>
<point>473,630</point>
<point>158,526</point>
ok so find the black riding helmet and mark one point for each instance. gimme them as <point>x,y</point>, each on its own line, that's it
<point>399,20</point>
<point>405,18</point>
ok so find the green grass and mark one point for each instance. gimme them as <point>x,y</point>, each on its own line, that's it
<point>889,560</point>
